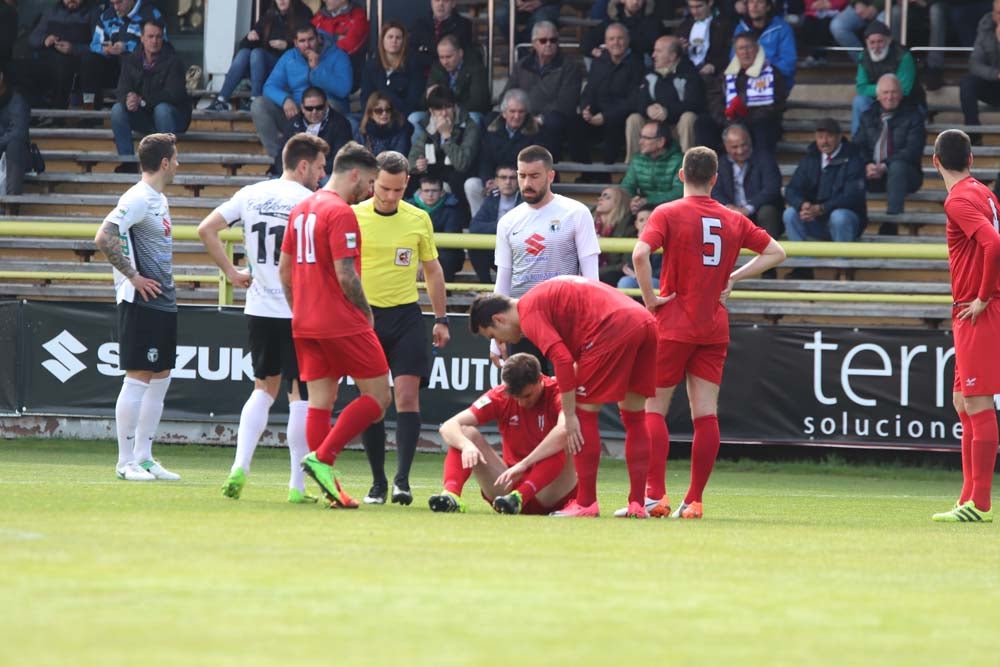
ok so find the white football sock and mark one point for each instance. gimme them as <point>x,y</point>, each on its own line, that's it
<point>149,419</point>
<point>253,421</point>
<point>297,445</point>
<point>127,416</point>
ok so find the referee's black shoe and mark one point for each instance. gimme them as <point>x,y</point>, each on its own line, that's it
<point>401,496</point>
<point>376,495</point>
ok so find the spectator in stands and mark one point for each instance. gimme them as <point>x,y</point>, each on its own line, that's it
<point>446,145</point>
<point>552,81</point>
<point>637,18</point>
<point>346,24</point>
<point>606,101</point>
<point>814,32</point>
<point>152,96</point>
<point>318,119</point>
<point>392,71</point>
<point>753,93</point>
<point>706,34</point>
<point>382,127</point>
<point>982,83</point>
<point>749,181</point>
<point>445,20</point>
<point>510,132</point>
<point>310,63</point>
<point>260,49</point>
<point>504,196</point>
<point>854,19</point>
<point>15,117</point>
<point>529,14</point>
<point>891,138</point>
<point>652,176</point>
<point>883,55</point>
<point>8,29</point>
<point>826,195</point>
<point>612,219</point>
<point>59,42</point>
<point>628,279</point>
<point>448,217</point>
<point>672,93</point>
<point>960,19</point>
<point>115,35</point>
<point>773,35</point>
<point>465,76</point>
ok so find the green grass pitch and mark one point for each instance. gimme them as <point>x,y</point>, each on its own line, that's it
<point>794,564</point>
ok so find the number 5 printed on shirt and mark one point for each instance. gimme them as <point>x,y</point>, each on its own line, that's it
<point>710,237</point>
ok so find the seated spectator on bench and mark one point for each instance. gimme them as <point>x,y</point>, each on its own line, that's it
<point>427,33</point>
<point>552,80</point>
<point>58,43</point>
<point>749,181</point>
<point>510,132</point>
<point>447,216</point>
<point>652,176</point>
<point>672,92</point>
<point>628,279</point>
<point>15,117</point>
<point>854,19</point>
<point>891,138</point>
<point>706,35</point>
<point>774,35</point>
<point>310,63</point>
<point>883,55</point>
<point>612,219</point>
<point>115,35</point>
<point>392,71</point>
<point>321,120</point>
<point>826,195</point>
<point>466,77</point>
<point>382,127</point>
<point>529,14</point>
<point>152,96</point>
<point>504,196</point>
<point>446,145</point>
<point>982,83</point>
<point>346,25</point>
<point>637,18</point>
<point>260,49</point>
<point>814,32</point>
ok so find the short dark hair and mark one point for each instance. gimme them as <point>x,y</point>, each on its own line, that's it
<point>953,149</point>
<point>302,146</point>
<point>536,153</point>
<point>154,149</point>
<point>154,22</point>
<point>646,207</point>
<point>484,307</point>
<point>313,91</point>
<point>392,162</point>
<point>745,36</point>
<point>353,156</point>
<point>431,180</point>
<point>305,27</point>
<point>504,165</point>
<point>440,97</point>
<point>700,165</point>
<point>519,372</point>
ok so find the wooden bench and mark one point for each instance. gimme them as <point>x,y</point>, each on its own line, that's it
<point>16,201</point>
<point>89,159</point>
<point>195,183</point>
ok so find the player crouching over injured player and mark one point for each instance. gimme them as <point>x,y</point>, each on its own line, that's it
<point>527,409</point>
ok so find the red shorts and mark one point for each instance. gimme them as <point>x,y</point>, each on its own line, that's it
<point>675,359</point>
<point>535,508</point>
<point>359,356</point>
<point>606,372</point>
<point>977,364</point>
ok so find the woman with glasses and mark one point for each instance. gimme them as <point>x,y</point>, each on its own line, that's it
<point>612,219</point>
<point>390,72</point>
<point>382,127</point>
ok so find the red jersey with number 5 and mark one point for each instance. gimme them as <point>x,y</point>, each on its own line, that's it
<point>970,206</point>
<point>701,240</point>
<point>322,230</point>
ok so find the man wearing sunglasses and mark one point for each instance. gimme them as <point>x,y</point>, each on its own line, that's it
<point>317,118</point>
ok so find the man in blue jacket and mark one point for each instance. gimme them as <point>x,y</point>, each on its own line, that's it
<point>310,63</point>
<point>774,35</point>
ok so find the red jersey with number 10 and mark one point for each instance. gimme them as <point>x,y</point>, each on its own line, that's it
<point>970,206</point>
<point>322,230</point>
<point>701,240</point>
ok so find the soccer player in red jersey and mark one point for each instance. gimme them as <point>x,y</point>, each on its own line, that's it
<point>974,261</point>
<point>331,320</point>
<point>611,339</point>
<point>701,241</point>
<point>526,408</point>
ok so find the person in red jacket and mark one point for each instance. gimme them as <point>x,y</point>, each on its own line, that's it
<point>347,25</point>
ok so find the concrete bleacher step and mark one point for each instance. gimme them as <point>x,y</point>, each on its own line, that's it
<point>97,204</point>
<point>109,183</point>
<point>231,163</point>
<point>98,139</point>
<point>200,118</point>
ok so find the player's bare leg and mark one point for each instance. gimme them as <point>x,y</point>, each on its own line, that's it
<point>703,396</point>
<point>450,498</point>
<point>979,452</point>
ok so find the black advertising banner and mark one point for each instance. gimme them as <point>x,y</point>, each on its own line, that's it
<point>792,385</point>
<point>9,354</point>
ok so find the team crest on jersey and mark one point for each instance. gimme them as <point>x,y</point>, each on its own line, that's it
<point>514,421</point>
<point>554,225</point>
<point>152,354</point>
<point>481,402</point>
<point>351,239</point>
<point>581,391</point>
<point>970,382</point>
<point>404,256</point>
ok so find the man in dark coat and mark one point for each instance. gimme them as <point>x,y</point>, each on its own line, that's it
<point>316,117</point>
<point>749,181</point>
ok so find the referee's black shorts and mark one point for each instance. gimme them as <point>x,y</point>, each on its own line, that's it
<point>272,350</point>
<point>400,330</point>
<point>147,338</point>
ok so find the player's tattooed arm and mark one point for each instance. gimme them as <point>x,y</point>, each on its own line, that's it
<point>350,282</point>
<point>109,242</point>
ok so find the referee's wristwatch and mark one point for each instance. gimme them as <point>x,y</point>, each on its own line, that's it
<point>441,320</point>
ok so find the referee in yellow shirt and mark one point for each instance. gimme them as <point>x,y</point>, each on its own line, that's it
<point>396,239</point>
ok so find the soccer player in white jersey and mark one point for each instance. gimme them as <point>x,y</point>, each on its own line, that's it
<point>547,235</point>
<point>264,207</point>
<point>136,238</point>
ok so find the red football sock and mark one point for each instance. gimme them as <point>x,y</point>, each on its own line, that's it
<point>539,476</point>
<point>966,458</point>
<point>984,456</point>
<point>317,426</point>
<point>704,450</point>
<point>455,476</point>
<point>636,453</point>
<point>659,450</point>
<point>354,419</point>
<point>588,459</point>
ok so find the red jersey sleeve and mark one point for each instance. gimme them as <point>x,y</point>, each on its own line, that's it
<point>487,407</point>
<point>344,235</point>
<point>755,238</point>
<point>288,240</point>
<point>966,215</point>
<point>655,233</point>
